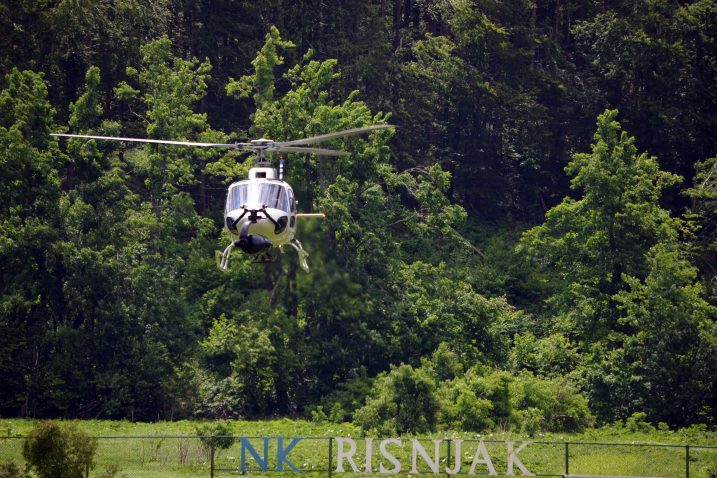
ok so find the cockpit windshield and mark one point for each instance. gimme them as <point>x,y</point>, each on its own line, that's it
<point>253,195</point>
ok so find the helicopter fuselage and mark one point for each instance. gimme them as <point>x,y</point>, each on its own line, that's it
<point>260,212</point>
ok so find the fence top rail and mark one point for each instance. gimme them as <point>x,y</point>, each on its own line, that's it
<point>466,440</point>
<point>666,445</point>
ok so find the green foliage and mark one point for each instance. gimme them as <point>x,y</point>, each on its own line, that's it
<point>337,414</point>
<point>593,241</point>
<point>671,340</point>
<point>558,401</point>
<point>347,397</point>
<point>59,451</point>
<point>485,400</point>
<point>29,221</point>
<point>318,415</point>
<point>461,408</point>
<point>636,423</point>
<point>444,363</point>
<point>109,302</point>
<point>702,215</point>
<point>633,54</point>
<point>401,401</point>
<point>550,356</point>
<point>238,377</point>
<point>8,469</point>
<point>712,471</point>
<point>217,435</point>
<point>262,81</point>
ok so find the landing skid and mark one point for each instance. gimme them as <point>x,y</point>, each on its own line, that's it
<point>303,255</point>
<point>222,258</point>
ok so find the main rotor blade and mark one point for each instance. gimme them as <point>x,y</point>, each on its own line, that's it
<point>319,151</point>
<point>156,141</point>
<point>337,134</point>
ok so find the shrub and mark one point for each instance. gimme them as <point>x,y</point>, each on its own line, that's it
<point>636,423</point>
<point>484,399</point>
<point>402,401</point>
<point>8,469</point>
<point>549,356</point>
<point>337,414</point>
<point>318,415</point>
<point>349,395</point>
<point>531,420</point>
<point>562,407</point>
<point>444,364</point>
<point>55,451</point>
<point>712,470</point>
<point>217,435</point>
<point>462,409</point>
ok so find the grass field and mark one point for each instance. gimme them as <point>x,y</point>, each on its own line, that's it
<point>171,449</point>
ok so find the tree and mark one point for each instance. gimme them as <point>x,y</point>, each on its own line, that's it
<point>667,371</point>
<point>626,290</point>
<point>703,218</point>
<point>591,243</point>
<point>634,52</point>
<point>30,223</point>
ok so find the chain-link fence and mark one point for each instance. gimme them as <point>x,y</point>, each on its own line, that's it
<point>195,456</point>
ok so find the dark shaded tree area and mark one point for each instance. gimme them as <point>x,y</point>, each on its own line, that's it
<point>111,305</point>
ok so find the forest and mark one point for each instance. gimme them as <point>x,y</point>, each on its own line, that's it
<point>533,247</point>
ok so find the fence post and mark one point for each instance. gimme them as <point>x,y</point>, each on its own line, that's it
<point>211,460</point>
<point>331,455</point>
<point>448,457</point>
<point>567,458</point>
<point>687,461</point>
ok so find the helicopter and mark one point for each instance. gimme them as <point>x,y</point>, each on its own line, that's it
<point>260,212</point>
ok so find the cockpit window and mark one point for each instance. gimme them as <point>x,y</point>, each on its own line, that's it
<point>274,196</point>
<point>237,197</point>
<point>254,195</point>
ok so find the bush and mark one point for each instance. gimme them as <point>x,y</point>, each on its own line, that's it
<point>349,395</point>
<point>337,414</point>
<point>550,356</point>
<point>462,409</point>
<point>483,399</point>
<point>318,415</point>
<point>712,470</point>
<point>402,401</point>
<point>8,469</point>
<point>55,451</point>
<point>563,408</point>
<point>444,364</point>
<point>531,421</point>
<point>636,423</point>
<point>217,435</point>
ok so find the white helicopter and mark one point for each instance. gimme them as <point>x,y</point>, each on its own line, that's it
<point>260,211</point>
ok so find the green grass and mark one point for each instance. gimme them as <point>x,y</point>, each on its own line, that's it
<point>168,449</point>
